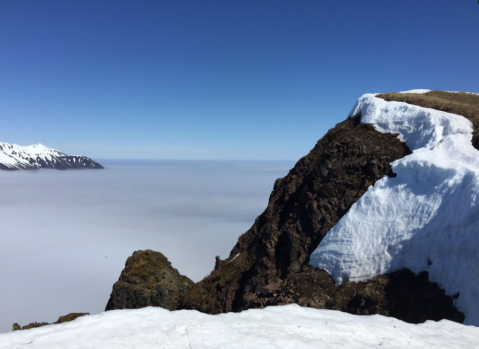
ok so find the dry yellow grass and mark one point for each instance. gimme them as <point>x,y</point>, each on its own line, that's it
<point>462,103</point>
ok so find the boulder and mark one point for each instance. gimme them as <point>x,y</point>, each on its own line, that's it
<point>148,279</point>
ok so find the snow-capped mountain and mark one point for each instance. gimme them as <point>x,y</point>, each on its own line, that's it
<point>16,157</point>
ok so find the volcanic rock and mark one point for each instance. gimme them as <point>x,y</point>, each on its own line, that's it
<point>148,279</point>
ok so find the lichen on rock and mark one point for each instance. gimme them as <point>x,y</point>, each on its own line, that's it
<point>148,279</point>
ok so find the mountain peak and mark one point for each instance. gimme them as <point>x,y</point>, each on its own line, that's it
<point>17,157</point>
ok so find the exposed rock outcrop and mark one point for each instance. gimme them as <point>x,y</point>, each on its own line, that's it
<point>302,208</point>
<point>16,327</point>
<point>403,295</point>
<point>61,319</point>
<point>69,317</point>
<point>269,264</point>
<point>148,279</point>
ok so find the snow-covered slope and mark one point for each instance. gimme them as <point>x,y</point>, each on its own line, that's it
<point>426,218</point>
<point>15,157</point>
<point>274,327</point>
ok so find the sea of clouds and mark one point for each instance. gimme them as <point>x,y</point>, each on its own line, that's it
<point>65,235</point>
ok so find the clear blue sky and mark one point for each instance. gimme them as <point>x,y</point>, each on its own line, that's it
<point>217,79</point>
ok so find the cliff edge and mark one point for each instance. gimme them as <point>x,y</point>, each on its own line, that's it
<point>269,265</point>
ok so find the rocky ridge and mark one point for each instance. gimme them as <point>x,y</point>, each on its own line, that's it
<point>269,264</point>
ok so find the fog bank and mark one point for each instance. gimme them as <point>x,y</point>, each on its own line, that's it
<point>67,234</point>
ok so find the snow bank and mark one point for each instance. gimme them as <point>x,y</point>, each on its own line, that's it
<point>418,91</point>
<point>425,219</point>
<point>274,327</point>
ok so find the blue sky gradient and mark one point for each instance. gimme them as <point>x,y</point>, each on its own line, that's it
<point>217,79</point>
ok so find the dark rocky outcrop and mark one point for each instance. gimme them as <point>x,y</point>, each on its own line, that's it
<point>70,162</point>
<point>302,208</point>
<point>269,264</point>
<point>403,295</point>
<point>61,319</point>
<point>148,279</point>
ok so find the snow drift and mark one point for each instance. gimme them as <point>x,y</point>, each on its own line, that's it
<point>274,327</point>
<point>426,218</point>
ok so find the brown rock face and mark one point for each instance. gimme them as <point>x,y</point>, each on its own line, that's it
<point>403,295</point>
<point>269,264</point>
<point>69,317</point>
<point>148,279</point>
<point>302,208</point>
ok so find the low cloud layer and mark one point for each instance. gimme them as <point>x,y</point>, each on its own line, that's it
<point>67,234</point>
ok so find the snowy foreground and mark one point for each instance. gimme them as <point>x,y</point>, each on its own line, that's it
<point>274,327</point>
<point>426,218</point>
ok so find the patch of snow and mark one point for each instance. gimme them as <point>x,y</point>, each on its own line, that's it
<point>426,218</point>
<point>418,91</point>
<point>7,159</point>
<point>273,327</point>
<point>234,258</point>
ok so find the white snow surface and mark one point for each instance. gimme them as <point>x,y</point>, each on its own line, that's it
<point>274,327</point>
<point>426,218</point>
<point>418,91</point>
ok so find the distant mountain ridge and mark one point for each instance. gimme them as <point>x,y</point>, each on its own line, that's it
<point>16,157</point>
